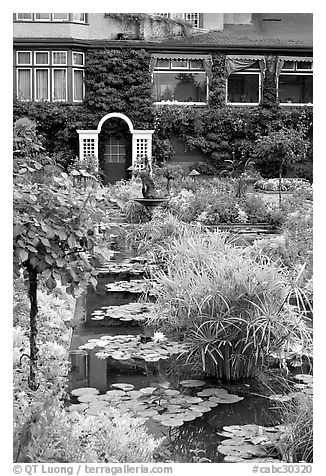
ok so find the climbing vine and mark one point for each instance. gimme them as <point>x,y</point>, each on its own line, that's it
<point>120,80</point>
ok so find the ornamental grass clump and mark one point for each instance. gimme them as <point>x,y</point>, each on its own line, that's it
<point>231,305</point>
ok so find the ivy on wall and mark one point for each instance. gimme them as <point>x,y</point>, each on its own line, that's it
<point>119,81</point>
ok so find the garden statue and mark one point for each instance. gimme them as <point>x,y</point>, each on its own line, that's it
<point>143,170</point>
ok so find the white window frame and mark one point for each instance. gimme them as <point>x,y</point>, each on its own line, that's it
<point>78,53</point>
<point>34,88</point>
<point>59,64</point>
<point>52,81</point>
<point>78,21</point>
<point>24,64</point>
<point>192,20</point>
<point>42,64</point>
<point>30,83</point>
<point>73,84</point>
<point>163,67</point>
<point>24,19</point>
<point>183,103</point>
<point>42,19</point>
<point>304,70</point>
<point>293,73</point>
<point>244,103</point>
<point>183,68</point>
<point>60,19</point>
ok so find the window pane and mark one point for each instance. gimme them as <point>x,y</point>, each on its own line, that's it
<point>192,18</point>
<point>24,57</point>
<point>24,84</point>
<point>180,87</point>
<point>24,16</point>
<point>304,65</point>
<point>288,65</point>
<point>59,85</point>
<point>78,59</point>
<point>42,16</point>
<point>78,17</point>
<point>60,16</point>
<point>41,84</point>
<point>59,57</point>
<point>115,150</point>
<point>163,63</point>
<point>196,64</point>
<point>78,85</point>
<point>41,57</point>
<point>179,63</point>
<point>295,88</point>
<point>243,88</point>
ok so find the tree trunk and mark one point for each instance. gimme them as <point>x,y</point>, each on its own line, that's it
<point>32,294</point>
<point>280,185</point>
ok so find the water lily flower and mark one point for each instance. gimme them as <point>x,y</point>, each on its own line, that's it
<point>158,336</point>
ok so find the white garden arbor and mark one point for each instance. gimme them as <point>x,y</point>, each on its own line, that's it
<point>141,139</point>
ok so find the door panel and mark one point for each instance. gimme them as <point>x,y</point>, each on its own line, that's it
<point>114,163</point>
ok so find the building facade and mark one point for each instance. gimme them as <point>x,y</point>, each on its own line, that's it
<point>52,50</point>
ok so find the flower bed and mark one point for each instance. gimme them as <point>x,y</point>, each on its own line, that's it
<point>287,184</point>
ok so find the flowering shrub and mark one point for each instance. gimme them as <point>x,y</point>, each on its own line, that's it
<point>54,338</point>
<point>60,436</point>
<point>287,184</point>
<point>294,249</point>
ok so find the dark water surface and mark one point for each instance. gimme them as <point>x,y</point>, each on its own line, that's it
<point>87,370</point>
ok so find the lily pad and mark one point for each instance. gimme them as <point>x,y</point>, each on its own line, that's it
<point>172,422</point>
<point>77,392</point>
<point>123,386</point>
<point>171,392</point>
<point>192,383</point>
<point>233,441</point>
<point>210,392</point>
<point>87,397</point>
<point>190,416</point>
<point>228,398</point>
<point>200,408</point>
<point>147,390</point>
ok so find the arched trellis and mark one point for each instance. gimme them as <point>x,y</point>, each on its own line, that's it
<point>141,139</point>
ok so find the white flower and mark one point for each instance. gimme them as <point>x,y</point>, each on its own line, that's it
<point>158,336</point>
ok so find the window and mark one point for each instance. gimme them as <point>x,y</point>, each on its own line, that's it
<point>24,84</point>
<point>59,85</point>
<point>50,75</point>
<point>24,57</point>
<point>115,150</point>
<point>295,82</point>
<point>243,85</point>
<point>192,18</point>
<point>41,85</point>
<point>180,80</point>
<point>78,59</point>
<point>41,58</point>
<point>78,17</point>
<point>24,16</point>
<point>60,16</point>
<point>78,79</point>
<point>243,88</point>
<point>59,57</point>
<point>43,16</point>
